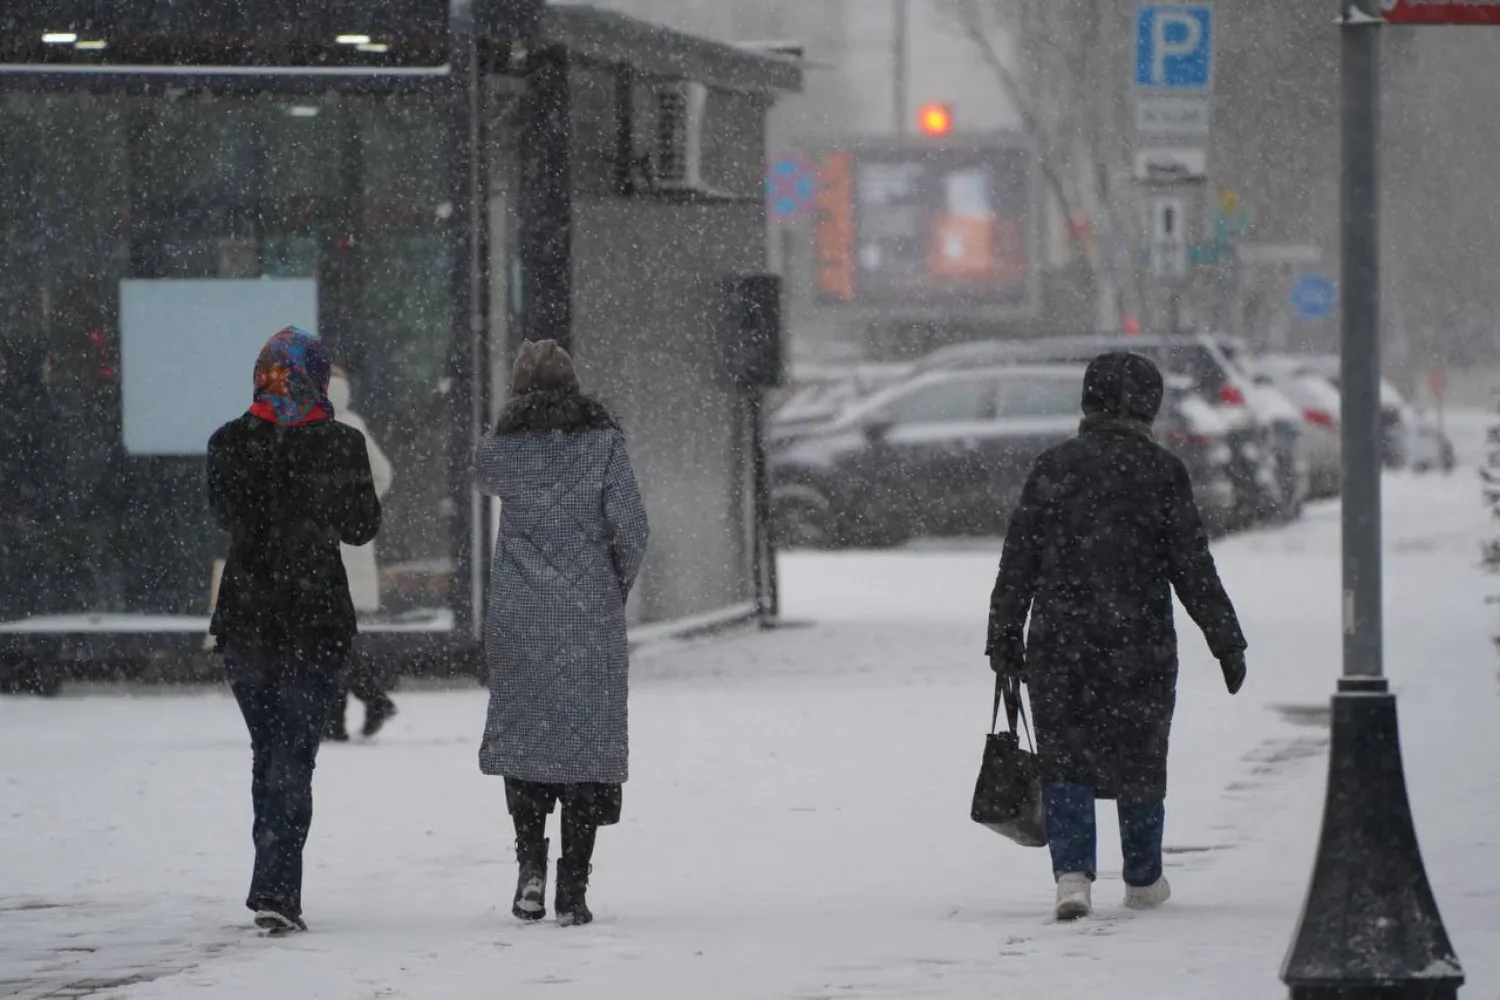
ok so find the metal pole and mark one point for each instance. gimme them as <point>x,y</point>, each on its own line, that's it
<point>763,554</point>
<point>1360,340</point>
<point>900,63</point>
<point>1370,925</point>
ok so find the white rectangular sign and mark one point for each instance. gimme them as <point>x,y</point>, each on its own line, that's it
<point>1169,237</point>
<point>1172,117</point>
<point>1279,253</point>
<point>188,350</point>
<point>1171,165</point>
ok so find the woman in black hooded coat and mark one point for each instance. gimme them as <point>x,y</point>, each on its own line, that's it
<point>1106,529</point>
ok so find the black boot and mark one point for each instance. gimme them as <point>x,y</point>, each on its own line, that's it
<point>572,887</point>
<point>378,712</point>
<point>531,888</point>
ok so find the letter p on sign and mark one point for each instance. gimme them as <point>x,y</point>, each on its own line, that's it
<point>1174,46</point>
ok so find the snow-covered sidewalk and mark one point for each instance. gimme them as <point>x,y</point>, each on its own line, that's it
<point>797,824</point>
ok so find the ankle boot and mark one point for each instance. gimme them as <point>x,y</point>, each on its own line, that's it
<point>531,888</point>
<point>572,886</point>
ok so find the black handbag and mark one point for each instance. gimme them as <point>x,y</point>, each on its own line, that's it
<point>1008,794</point>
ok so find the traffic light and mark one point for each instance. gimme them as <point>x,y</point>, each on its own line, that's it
<point>935,120</point>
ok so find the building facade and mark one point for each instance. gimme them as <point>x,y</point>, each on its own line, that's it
<point>424,186</point>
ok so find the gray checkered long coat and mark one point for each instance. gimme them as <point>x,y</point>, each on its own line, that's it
<point>572,536</point>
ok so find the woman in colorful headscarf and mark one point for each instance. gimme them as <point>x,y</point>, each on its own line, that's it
<point>290,485</point>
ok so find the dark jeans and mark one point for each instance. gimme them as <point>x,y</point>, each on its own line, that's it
<point>285,701</point>
<point>1073,839</point>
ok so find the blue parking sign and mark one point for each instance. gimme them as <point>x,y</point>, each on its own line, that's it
<point>1174,46</point>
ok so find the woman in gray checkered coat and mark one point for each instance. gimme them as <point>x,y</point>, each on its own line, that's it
<point>572,536</point>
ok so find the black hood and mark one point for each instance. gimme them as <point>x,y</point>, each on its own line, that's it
<point>1122,384</point>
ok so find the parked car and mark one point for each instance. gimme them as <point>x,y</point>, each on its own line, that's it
<point>947,452</point>
<point>1265,485</point>
<point>1409,437</point>
<point>1319,404</point>
<point>1192,429</point>
<point>817,396</point>
<point>1288,445</point>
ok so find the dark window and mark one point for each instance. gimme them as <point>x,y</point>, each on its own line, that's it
<point>171,188</point>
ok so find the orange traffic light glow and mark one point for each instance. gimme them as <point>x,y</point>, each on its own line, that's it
<point>936,119</point>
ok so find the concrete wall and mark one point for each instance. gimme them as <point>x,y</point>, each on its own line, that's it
<point>646,278</point>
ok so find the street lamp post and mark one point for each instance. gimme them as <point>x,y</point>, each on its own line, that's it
<point>900,63</point>
<point>1370,927</point>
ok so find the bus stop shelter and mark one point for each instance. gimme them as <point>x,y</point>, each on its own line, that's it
<point>424,183</point>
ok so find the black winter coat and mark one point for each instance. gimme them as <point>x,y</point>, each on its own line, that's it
<point>288,496</point>
<point>1106,527</point>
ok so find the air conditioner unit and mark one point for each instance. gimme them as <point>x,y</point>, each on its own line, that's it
<point>677,159</point>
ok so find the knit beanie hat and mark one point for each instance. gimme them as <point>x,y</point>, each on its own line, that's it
<point>544,366</point>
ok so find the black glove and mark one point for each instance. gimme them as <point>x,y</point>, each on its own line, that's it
<point>1233,667</point>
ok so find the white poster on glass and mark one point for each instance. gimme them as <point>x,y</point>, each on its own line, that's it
<point>188,350</point>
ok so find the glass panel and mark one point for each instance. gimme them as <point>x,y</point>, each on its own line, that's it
<point>216,194</point>
<point>961,399</point>
<point>1041,397</point>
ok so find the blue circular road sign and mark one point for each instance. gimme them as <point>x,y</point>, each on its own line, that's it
<point>791,186</point>
<point>1314,296</point>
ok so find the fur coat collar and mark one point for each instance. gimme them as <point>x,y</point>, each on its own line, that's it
<point>571,413</point>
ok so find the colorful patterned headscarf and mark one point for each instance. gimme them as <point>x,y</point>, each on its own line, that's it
<point>291,380</point>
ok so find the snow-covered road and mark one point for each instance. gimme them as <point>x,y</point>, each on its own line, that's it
<point>797,821</point>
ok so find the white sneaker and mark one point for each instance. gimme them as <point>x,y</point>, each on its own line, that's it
<point>1147,897</point>
<point>1074,896</point>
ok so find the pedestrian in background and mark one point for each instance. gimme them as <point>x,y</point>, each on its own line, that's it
<point>363,571</point>
<point>290,485</point>
<point>1106,529</point>
<point>28,490</point>
<point>572,537</point>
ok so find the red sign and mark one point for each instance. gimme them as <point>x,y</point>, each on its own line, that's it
<point>834,232</point>
<point>1441,11</point>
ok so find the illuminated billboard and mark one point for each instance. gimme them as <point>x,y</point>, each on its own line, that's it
<point>923,227</point>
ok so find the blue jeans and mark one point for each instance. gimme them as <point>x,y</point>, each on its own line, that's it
<point>286,702</point>
<point>1073,839</point>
